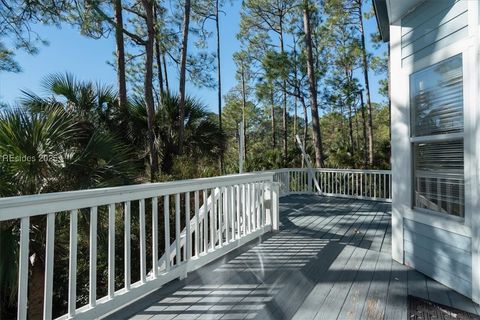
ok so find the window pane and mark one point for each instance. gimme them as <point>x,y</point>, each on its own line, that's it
<point>439,183</point>
<point>437,98</point>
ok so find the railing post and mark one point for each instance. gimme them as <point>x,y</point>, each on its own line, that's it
<point>273,208</point>
<point>288,182</point>
<point>310,178</point>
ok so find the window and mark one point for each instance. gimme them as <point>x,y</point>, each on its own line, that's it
<point>437,135</point>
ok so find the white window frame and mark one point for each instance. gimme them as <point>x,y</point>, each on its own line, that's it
<point>457,136</point>
<point>469,48</point>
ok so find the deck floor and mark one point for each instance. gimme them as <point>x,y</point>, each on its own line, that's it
<point>330,260</point>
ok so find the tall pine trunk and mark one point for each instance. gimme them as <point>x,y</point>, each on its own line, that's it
<point>183,66</point>
<point>365,139</point>
<point>272,104</point>
<point>219,76</point>
<point>295,122</point>
<point>164,62</point>
<point>305,129</point>
<point>295,102</point>
<point>389,103</point>
<point>367,84</point>
<point>285,119</point>
<point>317,138</point>
<point>350,130</point>
<point>244,118</point>
<point>148,87</point>
<point>348,75</point>
<point>158,57</point>
<point>120,55</point>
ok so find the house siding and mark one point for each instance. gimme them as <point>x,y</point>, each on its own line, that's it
<point>442,255</point>
<point>432,26</point>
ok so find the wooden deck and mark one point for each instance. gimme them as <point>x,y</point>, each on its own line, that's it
<point>330,260</point>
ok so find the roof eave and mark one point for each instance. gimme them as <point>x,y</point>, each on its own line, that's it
<point>383,22</point>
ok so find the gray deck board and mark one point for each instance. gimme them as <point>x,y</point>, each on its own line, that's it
<point>329,260</point>
<point>375,304</point>
<point>417,284</point>
<point>397,302</point>
<point>353,304</point>
<point>335,298</point>
<point>438,292</point>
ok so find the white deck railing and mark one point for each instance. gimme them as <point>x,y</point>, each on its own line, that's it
<point>350,183</point>
<point>216,214</point>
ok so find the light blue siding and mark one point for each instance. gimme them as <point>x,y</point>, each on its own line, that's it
<point>443,236</point>
<point>443,276</point>
<point>442,255</point>
<point>432,26</point>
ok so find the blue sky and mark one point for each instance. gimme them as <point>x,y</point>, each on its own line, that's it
<point>86,58</point>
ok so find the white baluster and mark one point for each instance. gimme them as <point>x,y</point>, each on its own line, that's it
<point>166,219</point>
<point>385,186</point>
<point>232,211</point>
<point>220,216</point>
<point>92,299</point>
<point>155,237</point>
<point>249,206</point>
<point>49,261</point>
<point>178,253</point>
<point>111,250</point>
<point>23,269</point>
<point>127,252</point>
<point>213,220</point>
<point>72,264</point>
<point>361,184</point>
<point>188,240</point>
<point>244,213</point>
<point>143,259</point>
<point>238,211</point>
<point>254,186</point>
<point>205,221</point>
<point>197,225</point>
<point>226,212</point>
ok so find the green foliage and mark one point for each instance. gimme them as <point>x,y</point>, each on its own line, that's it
<point>203,138</point>
<point>17,19</point>
<point>55,144</point>
<point>7,60</point>
<point>35,148</point>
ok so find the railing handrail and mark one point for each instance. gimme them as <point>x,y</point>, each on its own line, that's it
<point>38,204</point>
<point>241,208</point>
<point>382,171</point>
<point>368,184</point>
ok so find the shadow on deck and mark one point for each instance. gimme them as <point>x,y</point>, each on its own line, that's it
<point>330,260</point>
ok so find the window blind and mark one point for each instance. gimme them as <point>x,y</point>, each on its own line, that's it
<point>439,177</point>
<point>437,99</point>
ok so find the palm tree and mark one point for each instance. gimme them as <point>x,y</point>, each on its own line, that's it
<point>202,134</point>
<point>203,137</point>
<point>102,157</point>
<point>62,142</point>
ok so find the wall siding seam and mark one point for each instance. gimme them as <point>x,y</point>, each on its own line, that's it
<point>424,12</point>
<point>428,29</point>
<point>444,41</point>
